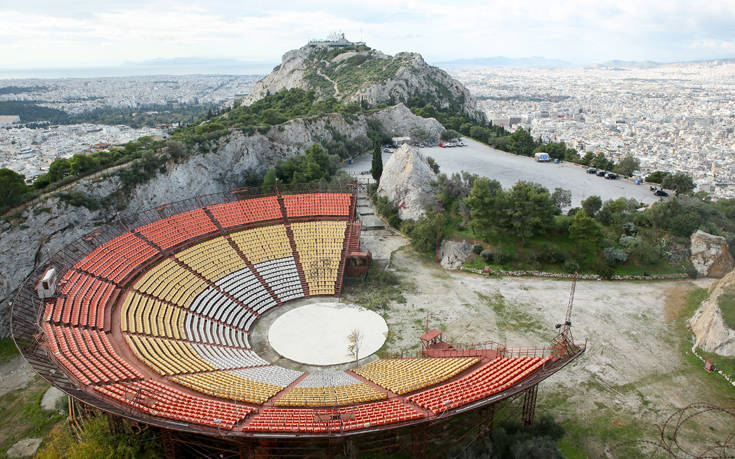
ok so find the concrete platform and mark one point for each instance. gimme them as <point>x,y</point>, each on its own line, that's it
<point>318,334</point>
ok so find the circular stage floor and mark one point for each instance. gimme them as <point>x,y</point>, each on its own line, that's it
<point>318,334</point>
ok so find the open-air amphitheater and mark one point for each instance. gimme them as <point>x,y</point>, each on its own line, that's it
<point>148,318</point>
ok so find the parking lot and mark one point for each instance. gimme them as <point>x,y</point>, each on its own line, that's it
<point>508,168</point>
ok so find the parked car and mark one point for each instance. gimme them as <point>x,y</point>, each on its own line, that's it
<point>591,170</point>
<point>611,176</point>
<point>601,173</point>
<point>661,193</point>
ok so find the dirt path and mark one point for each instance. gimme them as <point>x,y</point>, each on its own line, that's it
<point>334,84</point>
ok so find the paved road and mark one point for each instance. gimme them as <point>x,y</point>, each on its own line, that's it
<point>508,168</point>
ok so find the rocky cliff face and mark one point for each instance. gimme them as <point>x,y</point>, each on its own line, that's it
<point>357,73</point>
<point>710,256</point>
<point>52,224</point>
<point>407,182</point>
<point>710,331</point>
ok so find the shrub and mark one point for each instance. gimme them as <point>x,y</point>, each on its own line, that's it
<point>477,249</point>
<point>504,255</point>
<point>604,270</point>
<point>571,266</point>
<point>78,198</point>
<point>487,255</point>
<point>552,255</point>
<point>388,210</point>
<point>614,255</point>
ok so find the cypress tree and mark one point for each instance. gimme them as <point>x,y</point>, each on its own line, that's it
<point>377,168</point>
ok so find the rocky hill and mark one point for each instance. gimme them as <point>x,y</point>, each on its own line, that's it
<point>352,72</point>
<point>710,330</point>
<point>46,227</point>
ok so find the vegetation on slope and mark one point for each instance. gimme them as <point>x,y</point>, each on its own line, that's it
<point>23,416</point>
<point>98,440</point>
<point>523,228</point>
<point>142,159</point>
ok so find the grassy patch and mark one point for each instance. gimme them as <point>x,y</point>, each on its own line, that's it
<point>510,317</point>
<point>7,349</point>
<point>589,437</point>
<point>722,363</point>
<point>23,416</point>
<point>726,302</point>
<point>378,291</point>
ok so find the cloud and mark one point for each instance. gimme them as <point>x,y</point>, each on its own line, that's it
<point>103,32</point>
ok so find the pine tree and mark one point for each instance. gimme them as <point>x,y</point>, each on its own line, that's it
<point>377,168</point>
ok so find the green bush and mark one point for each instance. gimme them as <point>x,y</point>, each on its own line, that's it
<point>387,210</point>
<point>78,198</point>
<point>487,255</point>
<point>571,266</point>
<point>504,255</point>
<point>614,255</point>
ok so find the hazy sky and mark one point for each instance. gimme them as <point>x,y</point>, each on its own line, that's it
<point>53,33</point>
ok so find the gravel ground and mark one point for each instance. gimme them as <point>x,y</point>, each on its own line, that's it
<point>633,372</point>
<point>508,168</point>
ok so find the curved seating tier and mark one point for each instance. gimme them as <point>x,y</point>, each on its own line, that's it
<point>116,259</point>
<point>225,384</point>
<point>158,399</point>
<point>330,395</point>
<point>171,231</point>
<point>491,378</point>
<point>247,211</point>
<point>334,420</point>
<point>406,375</point>
<point>322,204</point>
<point>171,282</point>
<point>263,243</point>
<point>82,301</point>
<point>283,277</point>
<point>168,357</point>
<point>212,259</point>
<point>245,287</point>
<point>320,245</point>
<point>88,355</point>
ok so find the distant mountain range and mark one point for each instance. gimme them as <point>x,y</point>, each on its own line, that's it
<point>544,63</point>
<point>502,61</point>
<point>618,64</point>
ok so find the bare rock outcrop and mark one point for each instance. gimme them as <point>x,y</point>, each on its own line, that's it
<point>710,330</point>
<point>710,255</point>
<point>353,72</point>
<point>407,182</point>
<point>454,253</point>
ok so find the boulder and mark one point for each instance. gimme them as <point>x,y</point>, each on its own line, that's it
<point>407,182</point>
<point>50,398</point>
<point>26,447</point>
<point>710,256</point>
<point>454,253</point>
<point>710,331</point>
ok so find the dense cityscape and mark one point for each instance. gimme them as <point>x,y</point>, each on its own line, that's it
<point>676,117</point>
<point>30,150</point>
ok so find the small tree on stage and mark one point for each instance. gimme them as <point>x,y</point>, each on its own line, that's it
<point>355,337</point>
